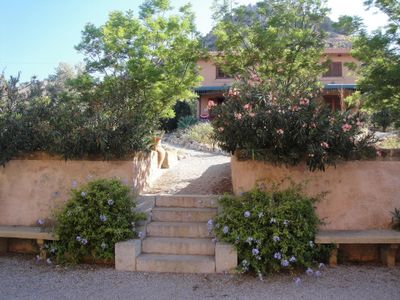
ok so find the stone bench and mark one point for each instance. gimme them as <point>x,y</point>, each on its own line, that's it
<point>388,240</point>
<point>25,232</point>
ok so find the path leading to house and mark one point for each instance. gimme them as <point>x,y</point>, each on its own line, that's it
<point>200,173</point>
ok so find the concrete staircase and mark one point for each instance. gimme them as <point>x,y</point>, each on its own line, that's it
<point>177,239</point>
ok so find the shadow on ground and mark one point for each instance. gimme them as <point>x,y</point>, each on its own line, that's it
<point>215,180</point>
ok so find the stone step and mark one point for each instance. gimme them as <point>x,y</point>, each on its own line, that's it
<point>179,214</point>
<point>199,201</point>
<point>175,263</point>
<point>183,246</point>
<point>178,229</point>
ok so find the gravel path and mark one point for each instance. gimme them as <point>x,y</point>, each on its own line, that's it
<point>199,173</point>
<point>22,278</point>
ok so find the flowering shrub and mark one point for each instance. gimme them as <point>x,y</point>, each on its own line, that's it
<point>98,215</point>
<point>271,230</point>
<point>256,126</point>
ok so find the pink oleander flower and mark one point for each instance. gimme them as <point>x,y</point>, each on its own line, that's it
<point>304,102</point>
<point>325,145</point>
<point>233,92</point>
<point>346,127</point>
<point>247,106</point>
<point>238,116</point>
<point>280,131</point>
<point>221,129</point>
<point>210,104</point>
<point>252,114</point>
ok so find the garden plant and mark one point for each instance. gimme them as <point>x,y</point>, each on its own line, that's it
<point>97,215</point>
<point>273,112</point>
<point>273,230</point>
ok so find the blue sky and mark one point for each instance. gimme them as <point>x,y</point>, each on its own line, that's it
<point>35,35</point>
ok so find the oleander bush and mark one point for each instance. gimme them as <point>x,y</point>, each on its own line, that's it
<point>272,230</point>
<point>288,131</point>
<point>72,125</point>
<point>97,215</point>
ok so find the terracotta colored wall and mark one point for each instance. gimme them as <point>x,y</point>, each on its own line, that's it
<point>33,186</point>
<point>361,194</point>
<point>348,77</point>
<point>208,70</point>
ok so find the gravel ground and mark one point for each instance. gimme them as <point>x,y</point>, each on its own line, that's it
<point>199,173</point>
<point>22,278</point>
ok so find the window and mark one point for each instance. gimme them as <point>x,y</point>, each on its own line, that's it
<point>335,70</point>
<point>220,74</point>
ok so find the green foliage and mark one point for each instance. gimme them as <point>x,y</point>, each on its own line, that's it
<point>153,56</point>
<point>278,42</point>
<point>396,219</point>
<point>390,143</point>
<point>271,113</point>
<point>98,215</point>
<point>201,132</point>
<point>73,125</point>
<point>288,133</point>
<point>347,25</point>
<point>136,69</point>
<point>186,122</point>
<point>271,230</point>
<point>379,74</point>
<point>181,109</point>
<point>382,119</point>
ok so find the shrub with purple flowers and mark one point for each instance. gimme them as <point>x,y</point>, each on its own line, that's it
<point>90,224</point>
<point>278,240</point>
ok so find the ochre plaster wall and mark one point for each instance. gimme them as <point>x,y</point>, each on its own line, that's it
<point>361,194</point>
<point>207,69</point>
<point>33,186</point>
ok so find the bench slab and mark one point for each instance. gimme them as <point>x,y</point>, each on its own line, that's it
<point>388,239</point>
<point>373,236</point>
<point>26,232</point>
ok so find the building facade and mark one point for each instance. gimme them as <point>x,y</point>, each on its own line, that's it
<point>338,81</point>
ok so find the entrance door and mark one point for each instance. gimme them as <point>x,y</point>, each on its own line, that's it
<point>333,102</point>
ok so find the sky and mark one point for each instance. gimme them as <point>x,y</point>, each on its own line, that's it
<point>36,35</point>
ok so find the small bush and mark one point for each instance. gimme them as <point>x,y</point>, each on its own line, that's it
<point>390,143</point>
<point>272,230</point>
<point>186,122</point>
<point>202,133</point>
<point>98,215</point>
